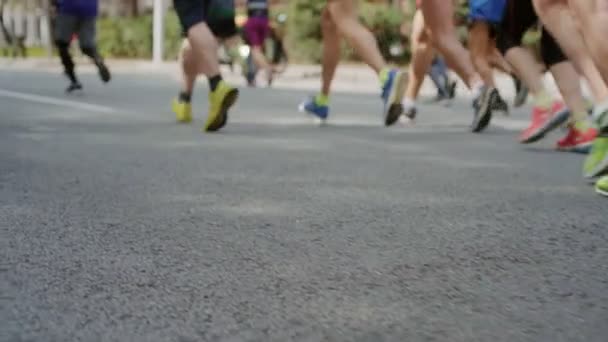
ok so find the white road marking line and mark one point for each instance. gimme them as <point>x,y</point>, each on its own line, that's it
<point>56,101</point>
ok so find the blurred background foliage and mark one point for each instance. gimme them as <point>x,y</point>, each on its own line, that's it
<point>131,36</point>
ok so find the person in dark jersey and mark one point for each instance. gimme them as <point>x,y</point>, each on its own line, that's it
<point>77,18</point>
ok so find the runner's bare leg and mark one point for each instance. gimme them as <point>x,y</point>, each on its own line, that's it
<point>331,51</point>
<point>422,57</point>
<point>558,19</point>
<point>593,21</point>
<point>343,14</point>
<point>438,17</point>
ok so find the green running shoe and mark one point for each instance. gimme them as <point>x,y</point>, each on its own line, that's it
<point>601,187</point>
<point>596,163</point>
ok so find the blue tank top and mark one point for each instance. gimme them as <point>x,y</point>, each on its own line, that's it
<point>257,8</point>
<point>80,8</point>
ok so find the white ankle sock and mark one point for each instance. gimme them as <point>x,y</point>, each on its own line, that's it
<point>477,88</point>
<point>599,108</point>
<point>408,103</point>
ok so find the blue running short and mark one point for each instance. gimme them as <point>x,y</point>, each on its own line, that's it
<point>490,11</point>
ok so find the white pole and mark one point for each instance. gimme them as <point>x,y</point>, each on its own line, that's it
<point>158,30</point>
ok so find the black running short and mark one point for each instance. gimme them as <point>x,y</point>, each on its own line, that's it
<point>519,17</point>
<point>217,14</point>
<point>223,28</point>
<point>191,12</point>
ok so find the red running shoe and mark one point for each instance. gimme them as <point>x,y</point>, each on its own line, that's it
<point>544,121</point>
<point>577,140</point>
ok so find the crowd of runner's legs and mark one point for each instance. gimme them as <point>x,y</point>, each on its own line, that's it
<point>572,47</point>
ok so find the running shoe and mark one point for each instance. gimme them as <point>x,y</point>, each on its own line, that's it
<point>452,89</point>
<point>544,121</point>
<point>601,186</point>
<point>310,106</point>
<point>521,93</point>
<point>596,163</point>
<point>483,109</point>
<point>500,105</point>
<point>410,113</point>
<point>104,72</point>
<point>392,95</point>
<point>577,140</point>
<point>601,119</point>
<point>220,101</point>
<point>182,110</point>
<point>73,87</point>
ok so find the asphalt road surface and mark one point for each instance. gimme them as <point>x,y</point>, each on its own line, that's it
<point>119,225</point>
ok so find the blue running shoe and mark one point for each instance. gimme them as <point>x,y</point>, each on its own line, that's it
<point>392,95</point>
<point>310,106</point>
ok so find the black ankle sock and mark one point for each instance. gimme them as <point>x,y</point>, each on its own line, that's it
<point>185,97</point>
<point>214,81</point>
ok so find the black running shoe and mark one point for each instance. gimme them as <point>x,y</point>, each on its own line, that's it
<point>73,87</point>
<point>104,72</point>
<point>500,105</point>
<point>483,109</point>
<point>410,113</point>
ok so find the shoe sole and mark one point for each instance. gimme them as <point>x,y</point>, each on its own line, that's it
<point>601,192</point>
<point>72,91</point>
<point>555,122</point>
<point>485,119</point>
<point>395,108</point>
<point>577,149</point>
<point>222,118</point>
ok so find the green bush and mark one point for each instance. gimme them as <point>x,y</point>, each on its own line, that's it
<point>385,23</point>
<point>304,29</point>
<point>132,37</point>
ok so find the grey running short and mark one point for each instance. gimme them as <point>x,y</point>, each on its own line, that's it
<point>66,26</point>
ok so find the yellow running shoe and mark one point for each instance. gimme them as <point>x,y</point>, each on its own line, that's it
<point>182,110</point>
<point>220,101</point>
